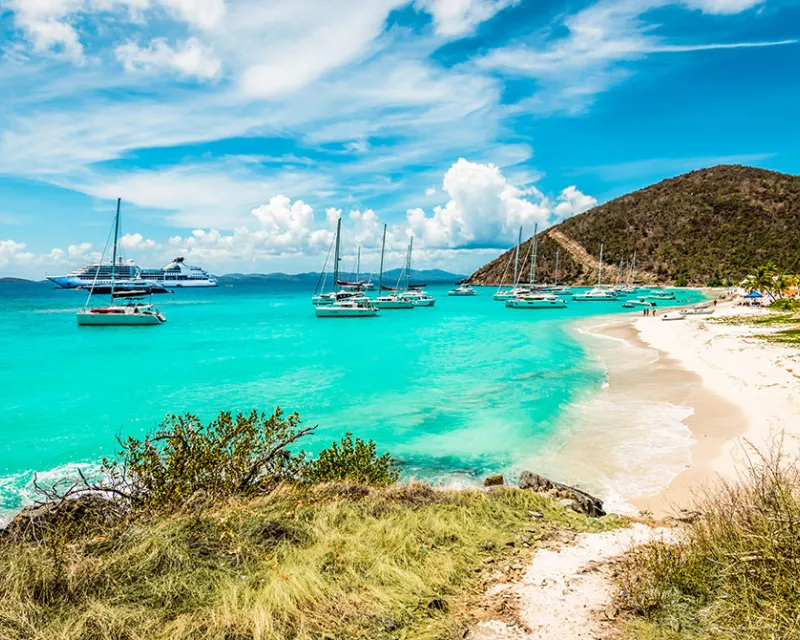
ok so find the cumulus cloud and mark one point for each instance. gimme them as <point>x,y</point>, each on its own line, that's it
<point>460,17</point>
<point>722,7</point>
<point>205,14</point>
<point>484,208</point>
<point>13,252</point>
<point>572,201</point>
<point>191,59</point>
<point>137,241</point>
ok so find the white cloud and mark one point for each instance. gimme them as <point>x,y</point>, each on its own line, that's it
<point>191,59</point>
<point>430,191</point>
<point>572,201</point>
<point>484,208</point>
<point>13,252</point>
<point>460,17</point>
<point>723,6</point>
<point>590,58</point>
<point>205,14</point>
<point>137,241</point>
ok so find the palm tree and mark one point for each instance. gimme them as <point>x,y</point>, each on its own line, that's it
<point>783,282</point>
<point>763,280</point>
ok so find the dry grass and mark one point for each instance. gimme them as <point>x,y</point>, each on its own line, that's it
<point>336,561</point>
<point>737,573</point>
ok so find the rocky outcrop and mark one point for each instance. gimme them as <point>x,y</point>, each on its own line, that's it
<point>583,502</point>
<point>493,481</point>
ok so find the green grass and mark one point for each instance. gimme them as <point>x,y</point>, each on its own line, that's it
<point>768,320</point>
<point>736,575</point>
<point>334,561</point>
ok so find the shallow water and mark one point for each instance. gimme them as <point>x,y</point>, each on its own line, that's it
<point>455,391</point>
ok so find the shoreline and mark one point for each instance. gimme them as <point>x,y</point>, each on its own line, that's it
<point>732,392</point>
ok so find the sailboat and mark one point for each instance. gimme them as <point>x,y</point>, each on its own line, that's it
<point>340,290</point>
<point>534,299</point>
<point>627,288</point>
<point>393,300</point>
<point>415,294</point>
<point>515,290</point>
<point>343,304</point>
<point>559,289</point>
<point>133,312</point>
<point>598,293</point>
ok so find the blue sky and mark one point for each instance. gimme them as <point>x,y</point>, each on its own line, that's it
<point>237,131</point>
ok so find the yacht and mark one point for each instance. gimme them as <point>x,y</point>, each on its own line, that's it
<point>418,297</point>
<point>129,276</point>
<point>638,302</point>
<point>127,307</point>
<point>599,293</point>
<point>537,301</point>
<point>516,290</point>
<point>660,294</point>
<point>347,308</point>
<point>394,299</point>
<point>462,291</point>
<point>350,301</point>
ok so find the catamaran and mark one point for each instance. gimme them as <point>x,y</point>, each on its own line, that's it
<point>660,294</point>
<point>392,300</point>
<point>463,290</point>
<point>132,312</point>
<point>342,304</point>
<point>535,299</point>
<point>516,290</point>
<point>598,293</point>
<point>415,294</point>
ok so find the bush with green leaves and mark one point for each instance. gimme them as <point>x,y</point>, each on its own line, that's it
<point>243,455</point>
<point>681,281</point>
<point>354,460</point>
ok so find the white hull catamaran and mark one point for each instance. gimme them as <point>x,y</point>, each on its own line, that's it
<point>535,299</point>
<point>343,304</point>
<point>392,300</point>
<point>515,290</point>
<point>132,313</point>
<point>598,293</point>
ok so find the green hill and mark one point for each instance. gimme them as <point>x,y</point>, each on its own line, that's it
<point>723,221</point>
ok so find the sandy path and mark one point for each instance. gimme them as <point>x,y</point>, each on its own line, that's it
<point>565,593</point>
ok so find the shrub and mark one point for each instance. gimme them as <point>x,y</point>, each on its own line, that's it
<point>786,304</point>
<point>715,281</point>
<point>736,574</point>
<point>681,281</point>
<point>243,455</point>
<point>352,460</point>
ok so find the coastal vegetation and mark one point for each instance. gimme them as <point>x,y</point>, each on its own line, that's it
<point>227,530</point>
<point>711,227</point>
<point>735,573</point>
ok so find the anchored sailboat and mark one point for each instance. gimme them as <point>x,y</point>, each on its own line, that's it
<point>132,312</point>
<point>342,304</point>
<point>598,293</point>
<point>415,294</point>
<point>535,299</point>
<point>393,300</point>
<point>516,289</point>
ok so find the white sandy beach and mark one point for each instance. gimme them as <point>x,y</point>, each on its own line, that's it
<point>734,389</point>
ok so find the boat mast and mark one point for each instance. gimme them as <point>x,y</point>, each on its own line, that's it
<point>358,265</point>
<point>408,261</point>
<point>383,247</point>
<point>600,266</point>
<point>114,250</point>
<point>336,255</point>
<point>555,277</point>
<point>633,268</point>
<point>516,258</point>
<point>534,251</point>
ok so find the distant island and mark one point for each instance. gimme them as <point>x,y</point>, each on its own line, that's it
<point>9,280</point>
<point>418,276</point>
<point>707,227</point>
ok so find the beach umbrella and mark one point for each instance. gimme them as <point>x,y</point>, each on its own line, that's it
<point>753,294</point>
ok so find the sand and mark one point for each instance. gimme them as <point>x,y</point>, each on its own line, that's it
<point>736,391</point>
<point>568,592</point>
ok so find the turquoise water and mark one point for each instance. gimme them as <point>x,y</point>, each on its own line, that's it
<point>454,391</point>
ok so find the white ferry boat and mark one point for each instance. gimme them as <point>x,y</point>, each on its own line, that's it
<point>176,274</point>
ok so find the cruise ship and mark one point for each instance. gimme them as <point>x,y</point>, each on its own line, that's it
<point>127,275</point>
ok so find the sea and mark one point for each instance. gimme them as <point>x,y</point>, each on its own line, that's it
<point>454,392</point>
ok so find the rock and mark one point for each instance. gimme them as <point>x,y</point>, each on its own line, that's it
<point>569,503</point>
<point>72,514</point>
<point>493,481</point>
<point>536,515</point>
<point>611,611</point>
<point>585,502</point>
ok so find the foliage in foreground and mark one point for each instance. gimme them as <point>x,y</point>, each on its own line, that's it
<point>329,561</point>
<point>737,572</point>
<point>242,455</point>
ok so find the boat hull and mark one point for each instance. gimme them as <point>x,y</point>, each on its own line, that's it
<point>582,298</point>
<point>89,319</point>
<point>536,304</point>
<point>423,303</point>
<point>336,312</point>
<point>393,304</point>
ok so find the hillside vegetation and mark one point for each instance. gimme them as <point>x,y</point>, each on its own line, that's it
<point>713,224</point>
